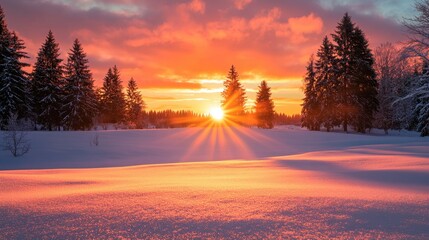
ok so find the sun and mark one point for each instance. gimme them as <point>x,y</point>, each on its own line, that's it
<point>216,113</point>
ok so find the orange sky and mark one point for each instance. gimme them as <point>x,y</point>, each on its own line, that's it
<point>179,52</point>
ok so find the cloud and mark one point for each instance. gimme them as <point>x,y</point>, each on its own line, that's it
<point>241,4</point>
<point>197,6</point>
<point>125,8</point>
<point>384,8</point>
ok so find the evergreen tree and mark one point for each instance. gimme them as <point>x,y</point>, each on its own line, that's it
<point>135,103</point>
<point>311,107</point>
<point>113,99</point>
<point>14,84</point>
<point>80,104</point>
<point>417,99</point>
<point>364,84</point>
<point>343,48</point>
<point>105,97</point>
<point>326,85</point>
<point>5,40</point>
<point>234,95</point>
<point>47,84</point>
<point>356,75</point>
<point>264,106</point>
<point>421,109</point>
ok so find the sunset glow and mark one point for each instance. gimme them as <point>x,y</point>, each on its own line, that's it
<point>217,113</point>
<point>179,52</point>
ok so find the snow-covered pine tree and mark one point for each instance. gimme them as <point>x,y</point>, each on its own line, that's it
<point>47,84</point>
<point>234,96</point>
<point>14,84</point>
<point>418,45</point>
<point>421,110</point>
<point>356,75</point>
<point>80,104</point>
<point>135,104</point>
<point>327,85</point>
<point>264,109</point>
<point>310,107</point>
<point>113,99</point>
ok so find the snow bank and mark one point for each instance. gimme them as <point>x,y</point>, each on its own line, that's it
<point>136,147</point>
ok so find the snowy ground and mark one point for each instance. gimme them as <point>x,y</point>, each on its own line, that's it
<point>280,183</point>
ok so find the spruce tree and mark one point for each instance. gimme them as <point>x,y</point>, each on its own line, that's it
<point>14,84</point>
<point>234,95</point>
<point>343,38</point>
<point>364,84</point>
<point>47,83</point>
<point>135,103</point>
<point>264,107</point>
<point>356,75</point>
<point>80,104</point>
<point>113,99</point>
<point>311,107</point>
<point>326,85</point>
<point>105,99</point>
<point>5,40</point>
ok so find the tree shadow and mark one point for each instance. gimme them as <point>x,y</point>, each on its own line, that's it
<point>382,176</point>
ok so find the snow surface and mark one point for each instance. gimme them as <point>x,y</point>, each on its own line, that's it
<point>280,183</point>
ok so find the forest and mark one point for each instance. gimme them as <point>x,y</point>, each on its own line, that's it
<point>348,84</point>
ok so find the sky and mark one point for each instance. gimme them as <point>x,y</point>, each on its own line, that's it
<point>179,52</point>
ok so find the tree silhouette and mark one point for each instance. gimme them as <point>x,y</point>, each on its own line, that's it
<point>135,104</point>
<point>310,107</point>
<point>264,107</point>
<point>358,87</point>
<point>112,98</point>
<point>327,85</point>
<point>234,95</point>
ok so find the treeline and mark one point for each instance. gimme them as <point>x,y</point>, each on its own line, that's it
<point>346,84</point>
<point>284,119</point>
<point>60,94</point>
<point>174,119</point>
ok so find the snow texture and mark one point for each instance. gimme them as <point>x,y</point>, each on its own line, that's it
<point>280,183</point>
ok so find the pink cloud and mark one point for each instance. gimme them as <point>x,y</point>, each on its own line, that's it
<point>197,6</point>
<point>241,4</point>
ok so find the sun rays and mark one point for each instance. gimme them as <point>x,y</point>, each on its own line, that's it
<point>217,113</point>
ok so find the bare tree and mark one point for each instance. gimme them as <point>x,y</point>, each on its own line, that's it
<point>15,138</point>
<point>391,69</point>
<point>418,28</point>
